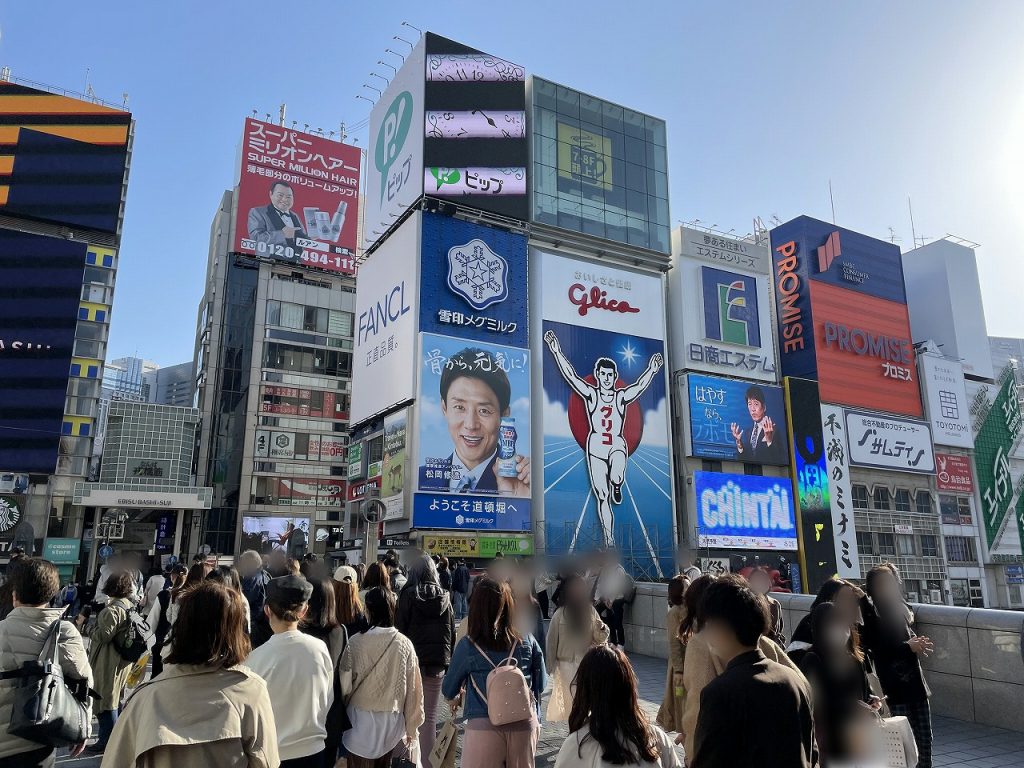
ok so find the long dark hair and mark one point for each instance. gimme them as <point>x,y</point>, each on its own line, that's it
<point>210,629</point>
<point>320,620</point>
<point>376,576</point>
<point>821,616</point>
<point>691,603</point>
<point>606,700</point>
<point>490,616</point>
<point>828,591</point>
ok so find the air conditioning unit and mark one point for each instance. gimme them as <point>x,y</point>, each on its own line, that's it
<point>912,597</point>
<point>935,595</point>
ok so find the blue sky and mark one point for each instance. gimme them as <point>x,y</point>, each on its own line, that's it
<point>765,103</point>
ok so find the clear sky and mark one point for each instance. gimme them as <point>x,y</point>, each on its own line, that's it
<point>765,103</point>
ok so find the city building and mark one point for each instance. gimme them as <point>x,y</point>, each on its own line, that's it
<point>65,180</point>
<point>171,385</point>
<point>273,360</point>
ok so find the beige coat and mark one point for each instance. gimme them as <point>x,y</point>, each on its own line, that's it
<point>701,667</point>
<point>670,715</point>
<point>109,669</point>
<point>22,635</point>
<point>196,716</point>
<point>563,644</point>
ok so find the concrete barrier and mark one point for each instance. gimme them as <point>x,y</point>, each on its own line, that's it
<point>976,673</point>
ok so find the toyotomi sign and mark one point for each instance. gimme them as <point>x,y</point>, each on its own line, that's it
<point>885,442</point>
<point>948,408</point>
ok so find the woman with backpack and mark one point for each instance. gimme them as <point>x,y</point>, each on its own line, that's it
<point>502,676</point>
<point>110,669</point>
<point>575,629</point>
<point>160,617</point>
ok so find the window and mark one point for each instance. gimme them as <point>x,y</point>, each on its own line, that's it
<point>881,499</point>
<point>886,544</point>
<point>865,542</point>
<point>905,544</point>
<point>977,597</point>
<point>860,496</point>
<point>960,549</point>
<point>711,466</point>
<point>963,504</point>
<point>929,545</point>
<point>923,503</point>
<point>902,500</point>
<point>753,469</point>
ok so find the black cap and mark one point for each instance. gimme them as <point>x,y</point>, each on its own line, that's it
<point>289,590</point>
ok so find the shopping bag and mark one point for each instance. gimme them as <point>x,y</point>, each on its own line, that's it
<point>443,753</point>
<point>896,742</point>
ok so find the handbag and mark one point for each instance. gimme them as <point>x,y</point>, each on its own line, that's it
<point>896,745</point>
<point>443,753</point>
<point>45,709</point>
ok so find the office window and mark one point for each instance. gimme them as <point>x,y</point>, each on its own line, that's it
<point>902,500</point>
<point>865,542</point>
<point>929,545</point>
<point>753,469</point>
<point>860,496</point>
<point>960,549</point>
<point>923,503</point>
<point>880,499</point>
<point>963,504</point>
<point>886,544</point>
<point>905,544</point>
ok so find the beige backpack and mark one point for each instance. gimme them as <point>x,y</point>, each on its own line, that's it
<point>508,693</point>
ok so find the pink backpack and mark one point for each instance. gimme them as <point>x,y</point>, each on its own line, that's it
<point>508,693</point>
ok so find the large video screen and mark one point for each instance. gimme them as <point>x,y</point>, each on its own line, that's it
<point>40,290</point>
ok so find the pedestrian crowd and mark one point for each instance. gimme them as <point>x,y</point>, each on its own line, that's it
<point>277,662</point>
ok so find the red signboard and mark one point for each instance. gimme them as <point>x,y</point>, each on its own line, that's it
<point>954,473</point>
<point>298,198</point>
<point>291,401</point>
<point>865,355</point>
<point>356,491</point>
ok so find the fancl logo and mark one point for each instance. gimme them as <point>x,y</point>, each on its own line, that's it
<point>477,274</point>
<point>730,307</point>
<point>731,507</point>
<point>386,310</point>
<point>394,130</point>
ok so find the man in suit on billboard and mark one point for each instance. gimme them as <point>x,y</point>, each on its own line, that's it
<point>277,224</point>
<point>762,446</point>
<point>475,394</point>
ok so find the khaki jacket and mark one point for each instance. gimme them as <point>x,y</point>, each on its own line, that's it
<point>563,644</point>
<point>196,716</point>
<point>109,669</point>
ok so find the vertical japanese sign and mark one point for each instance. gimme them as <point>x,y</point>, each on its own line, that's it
<point>993,447</point>
<point>810,481</point>
<point>298,198</point>
<point>837,461</point>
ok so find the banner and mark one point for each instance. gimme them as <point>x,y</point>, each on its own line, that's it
<point>433,510</point>
<point>992,449</point>
<point>954,473</point>
<point>948,408</point>
<point>744,511</point>
<point>837,460</point>
<point>736,421</point>
<point>478,546</point>
<point>298,198</point>
<point>393,465</point>
<point>887,442</point>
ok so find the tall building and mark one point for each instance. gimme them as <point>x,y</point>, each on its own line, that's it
<point>63,182</point>
<point>274,343</point>
<point>171,385</point>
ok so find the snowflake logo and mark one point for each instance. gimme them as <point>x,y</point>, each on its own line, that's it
<point>460,520</point>
<point>477,274</point>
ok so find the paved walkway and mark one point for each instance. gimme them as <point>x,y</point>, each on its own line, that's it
<point>960,744</point>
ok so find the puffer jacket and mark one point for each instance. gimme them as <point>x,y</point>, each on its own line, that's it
<point>22,635</point>
<point>426,617</point>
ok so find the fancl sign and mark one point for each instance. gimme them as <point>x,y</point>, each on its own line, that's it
<point>744,511</point>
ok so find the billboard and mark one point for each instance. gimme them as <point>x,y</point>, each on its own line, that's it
<point>296,401</point>
<point>837,461</point>
<point>478,546</point>
<point>274,444</point>
<point>721,306</point>
<point>744,511</point>
<point>265,534</point>
<point>736,421</point>
<point>383,364</point>
<point>40,293</point>
<point>810,481</point>
<point>473,281</point>
<point>475,148</point>
<point>885,442</point>
<point>606,412</point>
<point>64,159</point>
<point>992,448</point>
<point>954,473</point>
<point>461,512</point>
<point>395,154</point>
<point>948,408</point>
<point>393,464</point>
<point>298,198</point>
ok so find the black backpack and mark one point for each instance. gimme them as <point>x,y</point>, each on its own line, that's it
<point>131,642</point>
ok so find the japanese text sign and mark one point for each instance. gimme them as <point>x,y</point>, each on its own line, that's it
<point>992,448</point>
<point>887,442</point>
<point>837,461</point>
<point>954,473</point>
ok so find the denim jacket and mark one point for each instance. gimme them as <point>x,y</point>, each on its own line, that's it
<point>467,661</point>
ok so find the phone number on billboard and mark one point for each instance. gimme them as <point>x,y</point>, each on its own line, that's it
<point>313,259</point>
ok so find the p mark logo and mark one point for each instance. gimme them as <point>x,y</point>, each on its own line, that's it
<point>730,307</point>
<point>394,130</point>
<point>829,252</point>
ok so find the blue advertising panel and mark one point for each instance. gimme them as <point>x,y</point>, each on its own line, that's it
<point>737,421</point>
<point>436,510</point>
<point>730,307</point>
<point>744,511</point>
<point>473,281</point>
<point>40,291</point>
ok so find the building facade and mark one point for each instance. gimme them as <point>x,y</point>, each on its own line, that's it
<point>171,385</point>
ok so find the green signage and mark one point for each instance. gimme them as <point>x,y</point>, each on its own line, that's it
<point>61,551</point>
<point>355,461</point>
<point>514,546</point>
<point>992,448</point>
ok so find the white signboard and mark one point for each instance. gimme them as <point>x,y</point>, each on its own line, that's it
<point>143,499</point>
<point>713,566</point>
<point>837,459</point>
<point>720,308</point>
<point>383,365</point>
<point>394,171</point>
<point>889,442</point>
<point>946,395</point>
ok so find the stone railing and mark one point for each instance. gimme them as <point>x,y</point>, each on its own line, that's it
<point>976,673</point>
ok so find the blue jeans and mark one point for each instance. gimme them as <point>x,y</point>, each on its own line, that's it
<point>107,720</point>
<point>459,604</point>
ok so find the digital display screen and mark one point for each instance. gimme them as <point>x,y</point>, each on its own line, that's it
<point>744,511</point>
<point>737,421</point>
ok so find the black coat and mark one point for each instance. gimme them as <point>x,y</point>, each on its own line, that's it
<point>756,713</point>
<point>837,685</point>
<point>426,617</point>
<point>899,669</point>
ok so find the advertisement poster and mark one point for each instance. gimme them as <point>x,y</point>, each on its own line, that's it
<point>383,362</point>
<point>462,512</point>
<point>948,408</point>
<point>392,484</point>
<point>485,546</point>
<point>886,442</point>
<point>607,465</point>
<point>954,473</point>
<point>474,416</point>
<point>473,281</point>
<point>837,460</point>
<point>810,480</point>
<point>992,447</point>
<point>744,511</point>
<point>737,421</point>
<point>475,148</point>
<point>40,294</point>
<point>265,534</point>
<point>298,198</point>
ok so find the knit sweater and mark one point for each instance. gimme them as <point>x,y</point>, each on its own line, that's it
<point>380,673</point>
